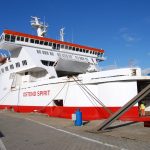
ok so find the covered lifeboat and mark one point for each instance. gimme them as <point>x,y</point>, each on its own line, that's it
<point>3,59</point>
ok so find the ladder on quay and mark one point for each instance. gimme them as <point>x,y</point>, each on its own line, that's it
<point>142,94</point>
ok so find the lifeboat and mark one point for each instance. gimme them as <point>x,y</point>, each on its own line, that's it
<point>2,59</point>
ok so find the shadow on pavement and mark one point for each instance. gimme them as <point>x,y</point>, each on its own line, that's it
<point>1,134</point>
<point>121,125</point>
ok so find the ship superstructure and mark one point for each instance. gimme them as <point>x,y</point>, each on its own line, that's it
<point>64,56</point>
<point>57,77</point>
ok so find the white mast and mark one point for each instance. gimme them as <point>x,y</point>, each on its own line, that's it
<point>39,26</point>
<point>62,34</point>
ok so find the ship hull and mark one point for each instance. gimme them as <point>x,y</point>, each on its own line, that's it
<point>88,113</point>
<point>61,97</point>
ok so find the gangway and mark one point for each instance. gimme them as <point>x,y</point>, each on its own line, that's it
<point>125,108</point>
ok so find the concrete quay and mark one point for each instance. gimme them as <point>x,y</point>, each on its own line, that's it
<point>33,131</point>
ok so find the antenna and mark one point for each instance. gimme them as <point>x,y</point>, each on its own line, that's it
<point>72,36</point>
<point>62,34</point>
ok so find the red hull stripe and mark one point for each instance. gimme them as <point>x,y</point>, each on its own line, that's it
<point>51,40</point>
<point>88,113</point>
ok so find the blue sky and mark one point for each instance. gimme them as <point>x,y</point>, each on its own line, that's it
<point>120,27</point>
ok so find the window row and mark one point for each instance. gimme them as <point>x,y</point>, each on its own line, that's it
<point>56,46</point>
<point>45,52</point>
<point>47,63</point>
<point>12,66</point>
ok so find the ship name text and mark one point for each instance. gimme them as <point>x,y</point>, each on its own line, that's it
<point>36,93</point>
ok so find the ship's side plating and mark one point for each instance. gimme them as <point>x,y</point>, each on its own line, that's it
<point>62,96</point>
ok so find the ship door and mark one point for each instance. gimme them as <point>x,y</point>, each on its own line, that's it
<point>57,107</point>
<point>58,102</point>
<point>15,79</point>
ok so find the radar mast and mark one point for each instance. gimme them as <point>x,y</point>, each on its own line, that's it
<point>39,26</point>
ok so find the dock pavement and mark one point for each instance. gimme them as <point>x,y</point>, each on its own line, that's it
<point>34,131</point>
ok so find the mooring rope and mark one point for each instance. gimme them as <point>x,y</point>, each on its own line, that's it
<point>4,96</point>
<point>43,107</point>
<point>91,94</point>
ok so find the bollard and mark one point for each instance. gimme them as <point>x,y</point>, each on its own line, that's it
<point>78,121</point>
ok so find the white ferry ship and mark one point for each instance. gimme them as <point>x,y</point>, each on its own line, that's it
<point>57,77</point>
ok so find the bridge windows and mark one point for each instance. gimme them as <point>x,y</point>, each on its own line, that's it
<point>36,41</point>
<point>62,46</point>
<point>7,37</point>
<point>41,42</point>
<point>13,38</point>
<point>18,38</point>
<point>46,43</point>
<point>32,40</point>
<point>26,39</point>
<point>22,38</point>
<point>66,46</point>
<point>70,48</point>
<point>52,44</point>
<point>58,46</point>
<point>10,38</point>
<point>87,51</point>
<point>77,49</point>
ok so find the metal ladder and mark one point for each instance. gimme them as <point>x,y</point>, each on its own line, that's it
<point>125,108</point>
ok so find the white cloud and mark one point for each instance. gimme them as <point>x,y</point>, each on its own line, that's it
<point>148,54</point>
<point>127,36</point>
<point>124,29</point>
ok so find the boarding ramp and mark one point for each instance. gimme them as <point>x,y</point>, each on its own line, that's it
<point>142,94</point>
